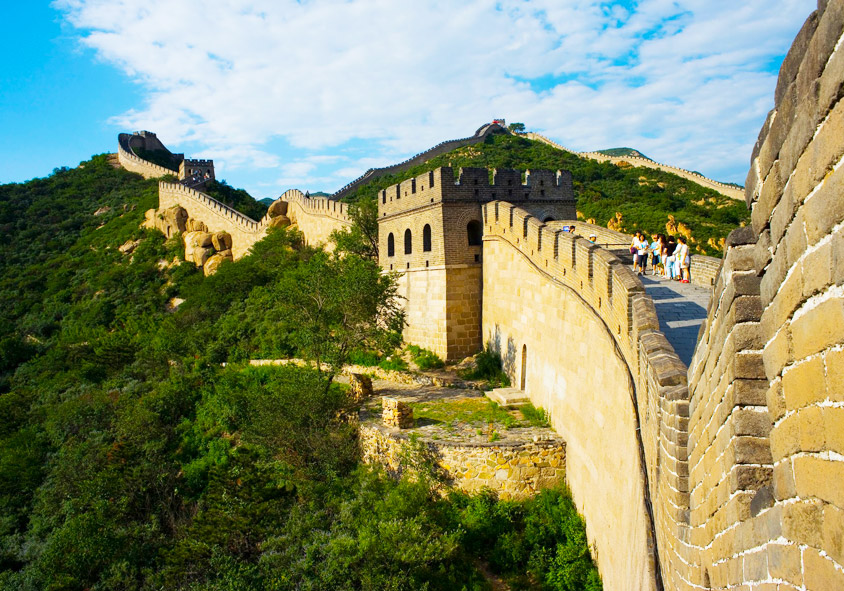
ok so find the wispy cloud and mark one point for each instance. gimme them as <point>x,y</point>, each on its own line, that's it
<point>685,81</point>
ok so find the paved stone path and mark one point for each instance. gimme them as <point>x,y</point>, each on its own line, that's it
<point>681,308</point>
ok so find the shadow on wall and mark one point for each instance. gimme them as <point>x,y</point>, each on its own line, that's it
<point>508,355</point>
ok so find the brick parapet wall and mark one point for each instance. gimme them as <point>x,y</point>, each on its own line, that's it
<point>723,188</point>
<point>133,163</point>
<point>660,403</point>
<point>767,379</point>
<point>703,270</point>
<point>472,185</point>
<point>316,217</point>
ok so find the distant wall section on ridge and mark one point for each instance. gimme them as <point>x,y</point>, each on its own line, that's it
<point>316,217</point>
<point>441,148</point>
<point>133,163</point>
<point>723,188</point>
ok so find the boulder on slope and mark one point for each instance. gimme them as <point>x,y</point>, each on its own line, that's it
<point>277,208</point>
<point>221,241</point>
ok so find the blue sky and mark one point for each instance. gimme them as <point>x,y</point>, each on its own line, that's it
<point>309,94</point>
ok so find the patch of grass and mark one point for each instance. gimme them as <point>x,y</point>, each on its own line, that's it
<point>365,358</point>
<point>393,363</point>
<point>373,359</point>
<point>424,358</point>
<point>536,417</point>
<point>466,410</point>
<point>487,367</point>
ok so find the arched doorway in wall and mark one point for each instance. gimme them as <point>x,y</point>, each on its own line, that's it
<point>523,375</point>
<point>475,233</point>
<point>548,219</point>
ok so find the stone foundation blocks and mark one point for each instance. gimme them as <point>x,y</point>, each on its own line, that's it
<point>396,413</point>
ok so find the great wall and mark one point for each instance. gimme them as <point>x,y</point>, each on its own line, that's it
<point>726,474</point>
<point>637,161</point>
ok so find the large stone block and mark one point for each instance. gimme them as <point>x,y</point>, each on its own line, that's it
<point>825,209</point>
<point>795,56</point>
<point>820,573</point>
<point>804,384</point>
<point>820,327</point>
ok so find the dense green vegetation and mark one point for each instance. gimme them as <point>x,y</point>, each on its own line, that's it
<point>139,451</point>
<point>159,157</point>
<point>623,152</point>
<point>646,199</point>
<point>237,199</point>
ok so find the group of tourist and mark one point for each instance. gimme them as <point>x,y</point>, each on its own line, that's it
<point>666,257</point>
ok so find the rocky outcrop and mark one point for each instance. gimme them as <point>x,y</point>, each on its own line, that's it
<point>214,261</point>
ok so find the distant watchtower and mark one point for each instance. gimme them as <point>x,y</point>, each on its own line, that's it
<point>431,230</point>
<point>196,172</point>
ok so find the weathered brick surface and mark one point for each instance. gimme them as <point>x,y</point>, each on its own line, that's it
<point>797,201</point>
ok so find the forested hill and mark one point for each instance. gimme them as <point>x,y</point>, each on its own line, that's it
<point>625,198</point>
<point>138,450</point>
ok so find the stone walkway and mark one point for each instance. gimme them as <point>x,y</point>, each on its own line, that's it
<point>681,308</point>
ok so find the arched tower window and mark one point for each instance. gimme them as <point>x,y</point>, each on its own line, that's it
<point>408,242</point>
<point>426,238</point>
<point>391,245</point>
<point>473,229</point>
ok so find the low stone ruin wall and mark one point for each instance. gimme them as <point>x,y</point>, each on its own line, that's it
<point>513,471</point>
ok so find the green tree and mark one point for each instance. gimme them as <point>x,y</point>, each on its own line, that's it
<point>362,238</point>
<point>339,304</point>
<point>516,127</point>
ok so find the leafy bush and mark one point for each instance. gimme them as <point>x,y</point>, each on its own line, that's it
<point>536,417</point>
<point>424,358</point>
<point>541,538</point>
<point>488,367</point>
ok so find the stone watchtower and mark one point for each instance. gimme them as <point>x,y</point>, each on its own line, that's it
<point>196,172</point>
<point>431,231</point>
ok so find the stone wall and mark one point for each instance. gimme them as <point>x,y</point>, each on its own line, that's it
<point>767,380</point>
<point>133,163</point>
<point>216,216</point>
<point>723,188</point>
<point>316,217</point>
<point>577,332</point>
<point>514,471</point>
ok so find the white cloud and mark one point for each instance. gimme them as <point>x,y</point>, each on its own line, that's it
<point>685,81</point>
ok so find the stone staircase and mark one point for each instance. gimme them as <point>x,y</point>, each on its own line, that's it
<point>508,397</point>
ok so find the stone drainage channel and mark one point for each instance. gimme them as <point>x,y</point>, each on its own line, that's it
<point>471,444</point>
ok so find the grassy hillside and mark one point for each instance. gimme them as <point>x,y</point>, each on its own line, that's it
<point>626,199</point>
<point>623,152</point>
<point>138,450</point>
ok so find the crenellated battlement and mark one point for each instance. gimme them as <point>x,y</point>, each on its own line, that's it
<point>600,278</point>
<point>318,206</point>
<point>473,185</point>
